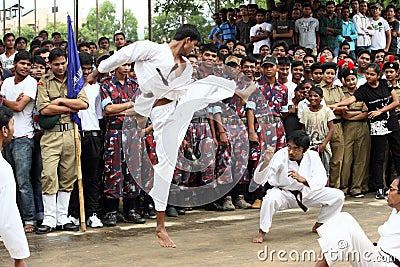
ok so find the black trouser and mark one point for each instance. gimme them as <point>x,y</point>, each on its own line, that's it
<point>378,154</point>
<point>91,176</point>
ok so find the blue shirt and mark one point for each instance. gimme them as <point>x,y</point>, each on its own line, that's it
<point>349,29</point>
<point>227,31</point>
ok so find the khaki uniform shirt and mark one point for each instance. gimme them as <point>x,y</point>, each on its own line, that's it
<point>51,88</point>
<point>356,106</point>
<point>333,94</point>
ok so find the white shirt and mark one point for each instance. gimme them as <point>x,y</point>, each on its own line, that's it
<point>90,117</point>
<point>260,29</point>
<point>303,104</point>
<point>149,57</point>
<point>11,229</point>
<point>290,86</point>
<point>390,235</point>
<point>380,26</point>
<point>311,168</point>
<point>23,120</point>
<point>361,24</point>
<point>8,62</point>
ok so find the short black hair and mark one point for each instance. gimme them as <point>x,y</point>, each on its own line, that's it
<point>85,58</point>
<point>21,38</point>
<point>283,61</point>
<point>317,90</point>
<point>296,64</point>
<point>35,42</point>
<point>83,44</point>
<point>22,55</point>
<point>209,47</point>
<point>329,66</point>
<point>45,32</point>
<point>38,60</point>
<point>187,30</point>
<point>41,50</point>
<point>261,11</point>
<point>300,138</point>
<point>281,43</point>
<point>93,43</point>
<point>8,35</point>
<point>103,38</point>
<point>56,53</point>
<point>118,33</point>
<point>55,33</point>
<point>248,59</point>
<point>364,51</point>
<point>5,116</point>
<point>46,42</point>
<point>316,66</point>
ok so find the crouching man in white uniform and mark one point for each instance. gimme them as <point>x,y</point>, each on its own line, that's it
<point>298,178</point>
<point>342,238</point>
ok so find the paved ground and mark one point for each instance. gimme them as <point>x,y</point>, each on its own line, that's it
<point>203,238</point>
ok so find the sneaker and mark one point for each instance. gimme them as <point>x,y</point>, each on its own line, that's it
<point>228,205</point>
<point>358,195</point>
<point>73,220</point>
<point>110,219</point>
<point>241,203</point>
<point>380,194</point>
<point>94,222</point>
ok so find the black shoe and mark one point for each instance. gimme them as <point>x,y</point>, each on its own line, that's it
<point>120,217</point>
<point>180,211</point>
<point>44,229</point>
<point>213,207</point>
<point>134,217</point>
<point>151,212</point>
<point>68,227</point>
<point>380,194</point>
<point>171,212</point>
<point>110,219</point>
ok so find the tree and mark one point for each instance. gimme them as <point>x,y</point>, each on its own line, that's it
<point>176,12</point>
<point>130,26</point>
<point>108,23</point>
<point>61,27</point>
<point>27,32</point>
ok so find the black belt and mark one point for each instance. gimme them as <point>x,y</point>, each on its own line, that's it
<point>393,258</point>
<point>199,120</point>
<point>299,199</point>
<point>90,133</point>
<point>118,126</point>
<point>337,121</point>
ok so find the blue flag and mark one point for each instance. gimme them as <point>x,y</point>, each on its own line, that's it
<point>75,76</point>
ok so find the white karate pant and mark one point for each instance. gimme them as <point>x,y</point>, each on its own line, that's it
<point>330,199</point>
<point>342,239</point>
<point>170,123</point>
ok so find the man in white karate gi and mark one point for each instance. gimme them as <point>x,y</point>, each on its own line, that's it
<point>11,228</point>
<point>342,239</point>
<point>298,178</point>
<point>170,99</point>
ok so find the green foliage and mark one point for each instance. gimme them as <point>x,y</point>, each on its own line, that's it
<point>61,27</point>
<point>26,31</point>
<point>173,13</point>
<point>108,24</point>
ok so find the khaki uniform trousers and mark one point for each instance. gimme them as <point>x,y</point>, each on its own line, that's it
<point>337,147</point>
<point>59,166</point>
<point>357,144</point>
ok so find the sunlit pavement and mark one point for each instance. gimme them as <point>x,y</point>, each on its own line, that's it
<point>203,238</point>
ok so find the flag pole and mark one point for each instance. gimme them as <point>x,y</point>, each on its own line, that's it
<point>75,84</point>
<point>79,172</point>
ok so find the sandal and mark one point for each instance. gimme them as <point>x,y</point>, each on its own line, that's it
<point>29,228</point>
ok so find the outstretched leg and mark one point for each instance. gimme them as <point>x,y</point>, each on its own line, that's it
<point>161,233</point>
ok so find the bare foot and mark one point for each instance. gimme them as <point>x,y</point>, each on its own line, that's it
<point>164,239</point>
<point>322,262</point>
<point>259,237</point>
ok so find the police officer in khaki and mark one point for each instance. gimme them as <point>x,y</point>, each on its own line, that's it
<point>357,141</point>
<point>334,94</point>
<point>57,143</point>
